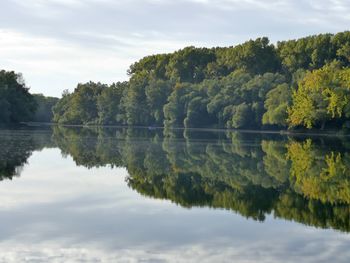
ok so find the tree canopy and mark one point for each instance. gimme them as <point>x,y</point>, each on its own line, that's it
<point>302,83</point>
<point>16,103</point>
<point>296,83</point>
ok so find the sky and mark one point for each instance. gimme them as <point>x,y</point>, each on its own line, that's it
<point>57,44</point>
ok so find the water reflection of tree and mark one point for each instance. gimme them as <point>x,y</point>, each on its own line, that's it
<point>320,173</point>
<point>255,175</point>
<point>16,147</point>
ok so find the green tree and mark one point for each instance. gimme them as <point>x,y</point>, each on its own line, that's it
<point>322,95</point>
<point>254,56</point>
<point>16,103</point>
<point>157,93</point>
<point>174,110</point>
<point>189,64</point>
<point>109,104</point>
<point>44,111</point>
<point>276,105</point>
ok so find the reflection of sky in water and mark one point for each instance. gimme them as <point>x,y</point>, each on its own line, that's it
<point>56,211</point>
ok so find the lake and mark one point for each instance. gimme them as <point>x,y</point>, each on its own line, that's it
<point>152,195</point>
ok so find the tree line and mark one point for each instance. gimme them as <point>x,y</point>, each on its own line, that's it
<point>17,104</point>
<point>301,83</point>
<point>295,83</point>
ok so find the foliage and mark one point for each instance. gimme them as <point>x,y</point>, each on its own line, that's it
<point>322,95</point>
<point>80,107</point>
<point>16,103</point>
<point>297,83</point>
<point>109,104</point>
<point>276,105</point>
<point>44,112</point>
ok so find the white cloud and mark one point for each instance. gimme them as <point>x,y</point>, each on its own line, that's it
<point>51,65</point>
<point>58,43</point>
<point>320,250</point>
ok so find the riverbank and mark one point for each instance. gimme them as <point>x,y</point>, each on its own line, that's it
<point>301,132</point>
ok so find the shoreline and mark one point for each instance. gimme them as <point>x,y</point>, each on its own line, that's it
<point>328,133</point>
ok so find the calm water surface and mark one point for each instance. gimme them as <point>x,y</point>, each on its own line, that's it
<point>131,195</point>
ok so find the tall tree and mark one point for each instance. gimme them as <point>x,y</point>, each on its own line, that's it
<point>16,103</point>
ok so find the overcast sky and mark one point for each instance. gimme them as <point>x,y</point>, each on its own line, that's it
<point>59,43</point>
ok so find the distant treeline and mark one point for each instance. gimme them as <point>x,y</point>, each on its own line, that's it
<point>18,105</point>
<point>296,83</point>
